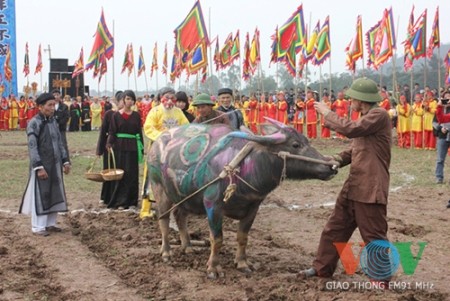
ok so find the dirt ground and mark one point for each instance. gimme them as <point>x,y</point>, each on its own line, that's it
<point>113,255</point>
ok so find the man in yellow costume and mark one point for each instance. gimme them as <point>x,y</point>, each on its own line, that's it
<point>430,107</point>
<point>159,119</point>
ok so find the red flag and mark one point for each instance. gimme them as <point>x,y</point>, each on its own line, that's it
<point>217,55</point>
<point>435,40</point>
<point>39,61</point>
<point>78,65</point>
<point>103,66</point>
<point>164,66</point>
<point>26,62</point>
<point>246,65</point>
<point>354,50</point>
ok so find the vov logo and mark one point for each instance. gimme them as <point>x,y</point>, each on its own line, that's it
<point>380,259</point>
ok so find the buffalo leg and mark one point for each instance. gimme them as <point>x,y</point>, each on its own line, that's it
<point>214,212</point>
<point>242,239</point>
<point>181,219</point>
<point>163,206</point>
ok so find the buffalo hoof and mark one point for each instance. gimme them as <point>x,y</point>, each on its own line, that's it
<point>188,250</point>
<point>215,273</point>
<point>245,270</point>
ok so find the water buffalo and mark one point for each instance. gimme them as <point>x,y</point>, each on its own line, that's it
<point>184,165</point>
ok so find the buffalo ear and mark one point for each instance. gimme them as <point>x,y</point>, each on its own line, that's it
<point>268,129</point>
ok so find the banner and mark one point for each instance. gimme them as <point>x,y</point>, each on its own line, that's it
<point>8,39</point>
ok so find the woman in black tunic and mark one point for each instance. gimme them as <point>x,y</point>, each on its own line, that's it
<point>75,113</point>
<point>86,115</point>
<point>105,196</point>
<point>125,138</point>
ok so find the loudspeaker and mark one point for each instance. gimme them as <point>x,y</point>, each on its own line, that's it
<point>58,65</point>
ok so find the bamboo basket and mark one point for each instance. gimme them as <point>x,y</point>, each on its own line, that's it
<point>92,175</point>
<point>112,174</point>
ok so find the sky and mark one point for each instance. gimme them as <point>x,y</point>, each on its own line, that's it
<point>68,25</point>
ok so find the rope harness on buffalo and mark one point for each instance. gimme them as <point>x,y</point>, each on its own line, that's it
<point>229,170</point>
<point>283,155</point>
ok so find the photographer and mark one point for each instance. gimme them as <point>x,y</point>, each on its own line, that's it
<point>441,125</point>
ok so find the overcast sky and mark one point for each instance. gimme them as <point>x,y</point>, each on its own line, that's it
<point>69,25</point>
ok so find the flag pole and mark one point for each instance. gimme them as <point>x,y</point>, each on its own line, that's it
<point>210,53</point>
<point>394,67</point>
<point>439,70</point>
<point>146,83</point>
<point>425,69</point>
<point>135,80</point>
<point>320,82</point>
<point>329,91</point>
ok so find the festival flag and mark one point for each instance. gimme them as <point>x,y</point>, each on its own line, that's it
<point>130,59</point>
<point>246,64</point>
<point>254,56</point>
<point>322,47</point>
<point>384,43</point>
<point>188,36</point>
<point>125,60</point>
<point>204,74</point>
<point>39,61</point>
<point>78,66</point>
<point>309,49</point>
<point>103,66</point>
<point>273,55</point>
<point>354,50</point>
<point>103,43</point>
<point>418,39</point>
<point>435,40</point>
<point>96,71</point>
<point>408,57</point>
<point>290,59</point>
<point>370,43</point>
<point>199,59</point>
<point>141,63</point>
<point>7,70</point>
<point>217,55</point>
<point>235,51</point>
<point>225,52</point>
<point>301,64</point>
<point>164,64</point>
<point>175,68</point>
<point>447,65</point>
<point>154,60</point>
<point>295,24</point>
<point>26,61</point>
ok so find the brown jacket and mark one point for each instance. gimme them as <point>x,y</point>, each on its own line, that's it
<point>369,155</point>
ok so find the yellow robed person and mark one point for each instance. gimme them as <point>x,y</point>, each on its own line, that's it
<point>159,119</point>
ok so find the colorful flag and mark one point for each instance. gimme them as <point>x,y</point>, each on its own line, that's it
<point>141,63</point>
<point>384,43</point>
<point>447,65</point>
<point>204,74</point>
<point>175,68</point>
<point>309,49</point>
<point>199,59</point>
<point>39,61</point>
<point>418,39</point>
<point>246,64</point>
<point>103,43</point>
<point>103,66</point>
<point>235,51</point>
<point>295,24</point>
<point>189,35</point>
<point>164,65</point>
<point>322,48</point>
<point>273,54</point>
<point>217,54</point>
<point>96,71</point>
<point>78,66</point>
<point>370,43</point>
<point>301,64</point>
<point>354,50</point>
<point>225,52</point>
<point>408,57</point>
<point>435,40</point>
<point>130,59</point>
<point>125,60</point>
<point>154,60</point>
<point>26,61</point>
<point>7,70</point>
<point>290,58</point>
<point>254,56</point>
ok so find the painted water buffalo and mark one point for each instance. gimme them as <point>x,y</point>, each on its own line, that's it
<point>184,168</point>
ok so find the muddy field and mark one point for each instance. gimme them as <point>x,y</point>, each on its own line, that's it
<point>113,255</point>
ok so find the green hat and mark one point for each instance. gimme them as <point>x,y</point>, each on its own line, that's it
<point>203,99</point>
<point>364,89</point>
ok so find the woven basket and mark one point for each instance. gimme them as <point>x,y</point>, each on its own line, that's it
<point>93,175</point>
<point>112,174</point>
